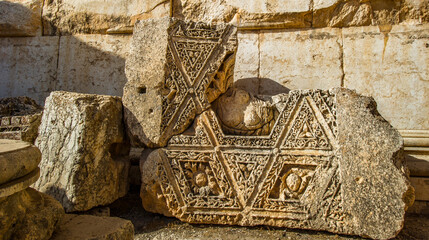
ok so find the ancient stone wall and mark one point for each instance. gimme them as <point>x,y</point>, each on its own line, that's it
<point>378,47</point>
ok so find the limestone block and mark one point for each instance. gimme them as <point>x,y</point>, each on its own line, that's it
<point>28,67</point>
<point>392,65</point>
<point>29,215</point>
<point>20,18</point>
<point>19,118</point>
<point>246,69</point>
<point>82,143</point>
<point>17,159</point>
<point>300,59</point>
<point>93,64</point>
<point>97,16</point>
<point>175,69</point>
<point>87,227</point>
<point>330,162</point>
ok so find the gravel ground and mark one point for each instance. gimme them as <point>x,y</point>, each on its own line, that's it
<point>154,226</point>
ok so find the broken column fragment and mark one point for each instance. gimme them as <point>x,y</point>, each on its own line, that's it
<point>82,141</point>
<point>24,212</point>
<point>174,71</point>
<point>330,162</point>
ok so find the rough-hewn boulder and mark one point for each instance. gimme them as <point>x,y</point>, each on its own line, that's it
<point>330,162</point>
<point>21,18</point>
<point>82,143</point>
<point>174,71</point>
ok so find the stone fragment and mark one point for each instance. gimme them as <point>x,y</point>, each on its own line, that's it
<point>28,67</point>
<point>20,18</point>
<point>191,65</point>
<point>330,162</point>
<point>92,64</point>
<point>82,143</point>
<point>396,73</point>
<point>87,227</point>
<point>65,17</point>
<point>17,159</point>
<point>29,215</point>
<point>19,118</point>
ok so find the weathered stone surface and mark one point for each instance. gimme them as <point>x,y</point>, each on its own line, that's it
<point>246,71</point>
<point>87,227</point>
<point>29,215</point>
<point>300,60</point>
<point>261,14</point>
<point>331,162</point>
<point>82,143</point>
<point>392,65</point>
<point>190,66</point>
<point>20,18</point>
<point>88,16</point>
<point>19,118</point>
<point>28,67</point>
<point>17,159</point>
<point>92,64</point>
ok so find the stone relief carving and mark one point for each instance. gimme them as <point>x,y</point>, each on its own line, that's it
<point>216,177</point>
<point>286,175</point>
<point>198,67</point>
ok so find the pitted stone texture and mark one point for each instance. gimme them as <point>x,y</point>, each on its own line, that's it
<point>82,142</point>
<point>19,118</point>
<point>17,159</point>
<point>175,69</point>
<point>29,215</point>
<point>331,162</point>
<point>21,18</point>
<point>64,17</point>
<point>86,227</point>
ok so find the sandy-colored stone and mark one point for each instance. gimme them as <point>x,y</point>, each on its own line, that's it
<point>82,143</point>
<point>20,18</point>
<point>19,118</point>
<point>29,215</point>
<point>86,227</point>
<point>88,16</point>
<point>272,14</point>
<point>421,185</point>
<point>331,162</point>
<point>391,63</point>
<point>19,184</point>
<point>17,159</point>
<point>92,64</point>
<point>300,60</point>
<point>28,67</point>
<point>246,71</point>
<point>174,71</point>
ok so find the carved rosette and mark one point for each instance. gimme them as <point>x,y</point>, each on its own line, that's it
<point>253,180</point>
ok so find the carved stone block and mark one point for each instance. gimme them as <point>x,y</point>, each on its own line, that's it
<point>82,141</point>
<point>175,70</point>
<point>330,162</point>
